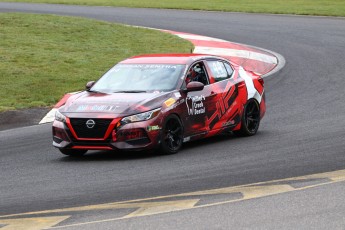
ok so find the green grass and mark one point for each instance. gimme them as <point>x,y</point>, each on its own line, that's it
<point>42,57</point>
<point>304,7</point>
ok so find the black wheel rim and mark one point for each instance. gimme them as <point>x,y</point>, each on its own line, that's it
<point>173,134</point>
<point>252,116</point>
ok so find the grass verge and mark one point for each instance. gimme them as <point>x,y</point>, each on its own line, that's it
<point>42,57</point>
<point>303,7</point>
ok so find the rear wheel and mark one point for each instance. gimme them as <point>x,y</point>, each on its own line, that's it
<point>73,152</point>
<point>250,119</point>
<point>172,135</point>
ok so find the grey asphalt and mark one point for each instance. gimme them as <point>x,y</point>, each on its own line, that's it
<point>302,133</point>
<point>317,208</point>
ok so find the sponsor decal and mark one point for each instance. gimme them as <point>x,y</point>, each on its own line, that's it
<point>169,102</point>
<point>98,108</point>
<point>179,102</point>
<point>153,128</point>
<point>195,105</point>
<point>173,106</point>
<point>186,139</point>
<point>228,123</point>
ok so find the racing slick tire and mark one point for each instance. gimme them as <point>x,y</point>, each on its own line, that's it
<point>73,152</point>
<point>250,120</point>
<point>171,135</point>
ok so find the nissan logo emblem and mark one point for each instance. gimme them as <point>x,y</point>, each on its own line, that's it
<point>90,123</point>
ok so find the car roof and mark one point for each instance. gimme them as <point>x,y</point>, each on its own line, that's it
<point>166,58</point>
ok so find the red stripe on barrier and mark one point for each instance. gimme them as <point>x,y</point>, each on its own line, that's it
<point>256,66</point>
<point>226,45</point>
<point>252,65</point>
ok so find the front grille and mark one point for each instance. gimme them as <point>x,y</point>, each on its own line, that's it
<point>82,131</point>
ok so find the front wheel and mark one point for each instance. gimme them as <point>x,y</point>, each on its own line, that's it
<point>171,135</point>
<point>73,152</point>
<point>250,119</point>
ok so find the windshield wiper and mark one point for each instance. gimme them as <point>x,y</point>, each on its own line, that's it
<point>130,91</point>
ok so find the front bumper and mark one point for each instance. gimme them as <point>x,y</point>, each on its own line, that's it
<point>133,136</point>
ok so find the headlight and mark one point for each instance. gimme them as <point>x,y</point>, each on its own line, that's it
<point>59,116</point>
<point>141,116</point>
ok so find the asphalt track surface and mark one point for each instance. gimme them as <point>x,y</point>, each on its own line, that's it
<point>302,133</point>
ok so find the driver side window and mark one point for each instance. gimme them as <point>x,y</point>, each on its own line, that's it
<point>197,72</point>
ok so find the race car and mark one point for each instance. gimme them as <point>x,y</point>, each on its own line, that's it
<point>158,102</point>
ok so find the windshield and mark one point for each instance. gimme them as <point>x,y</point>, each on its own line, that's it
<point>139,78</point>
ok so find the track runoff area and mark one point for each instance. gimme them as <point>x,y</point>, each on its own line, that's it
<point>254,59</point>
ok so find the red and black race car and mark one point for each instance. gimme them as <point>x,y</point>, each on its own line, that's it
<point>158,102</point>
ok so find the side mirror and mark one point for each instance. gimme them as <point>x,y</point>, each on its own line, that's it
<point>89,85</point>
<point>194,86</point>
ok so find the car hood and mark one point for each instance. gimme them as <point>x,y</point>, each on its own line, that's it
<point>87,104</point>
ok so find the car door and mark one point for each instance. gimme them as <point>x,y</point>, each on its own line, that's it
<point>227,103</point>
<point>198,103</point>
